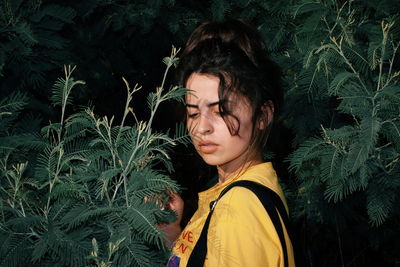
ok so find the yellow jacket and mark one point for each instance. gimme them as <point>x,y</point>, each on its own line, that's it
<point>240,231</point>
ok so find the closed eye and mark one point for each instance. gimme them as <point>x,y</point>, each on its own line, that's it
<point>193,115</point>
<point>222,113</point>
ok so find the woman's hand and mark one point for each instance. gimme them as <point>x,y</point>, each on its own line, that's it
<point>172,230</point>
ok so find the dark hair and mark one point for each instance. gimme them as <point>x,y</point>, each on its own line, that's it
<point>233,52</point>
<point>234,31</point>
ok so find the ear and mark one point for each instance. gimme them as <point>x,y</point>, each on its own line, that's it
<point>267,115</point>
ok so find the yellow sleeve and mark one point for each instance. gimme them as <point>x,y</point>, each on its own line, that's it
<point>242,234</point>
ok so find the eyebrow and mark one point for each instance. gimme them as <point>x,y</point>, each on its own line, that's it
<point>219,102</point>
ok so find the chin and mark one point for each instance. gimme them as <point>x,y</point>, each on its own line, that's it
<point>214,160</point>
<point>211,160</point>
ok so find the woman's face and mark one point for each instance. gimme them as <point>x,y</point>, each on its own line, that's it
<point>209,132</point>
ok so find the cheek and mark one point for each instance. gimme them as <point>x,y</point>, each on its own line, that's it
<point>231,124</point>
<point>246,130</point>
<point>191,128</point>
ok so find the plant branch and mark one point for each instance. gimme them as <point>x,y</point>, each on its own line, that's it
<point>385,32</point>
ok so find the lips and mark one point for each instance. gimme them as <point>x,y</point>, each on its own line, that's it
<point>207,147</point>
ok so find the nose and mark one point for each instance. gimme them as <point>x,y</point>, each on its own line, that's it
<point>204,125</point>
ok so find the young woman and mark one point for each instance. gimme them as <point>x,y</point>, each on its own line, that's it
<point>235,91</point>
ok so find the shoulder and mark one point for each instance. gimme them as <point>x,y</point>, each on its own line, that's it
<point>265,175</point>
<point>241,206</point>
<point>240,212</point>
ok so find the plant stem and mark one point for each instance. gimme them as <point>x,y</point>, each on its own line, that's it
<point>385,33</point>
<point>128,101</point>
<point>159,98</point>
<point>348,63</point>
<point>390,76</point>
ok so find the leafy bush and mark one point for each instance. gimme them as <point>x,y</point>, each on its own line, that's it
<point>345,106</point>
<point>89,192</point>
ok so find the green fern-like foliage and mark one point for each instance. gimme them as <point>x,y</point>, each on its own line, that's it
<point>91,195</point>
<point>31,40</point>
<point>347,126</point>
<point>343,161</point>
<point>358,148</point>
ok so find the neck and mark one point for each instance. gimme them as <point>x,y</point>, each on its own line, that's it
<point>227,171</point>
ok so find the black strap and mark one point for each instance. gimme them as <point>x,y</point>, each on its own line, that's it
<point>272,204</point>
